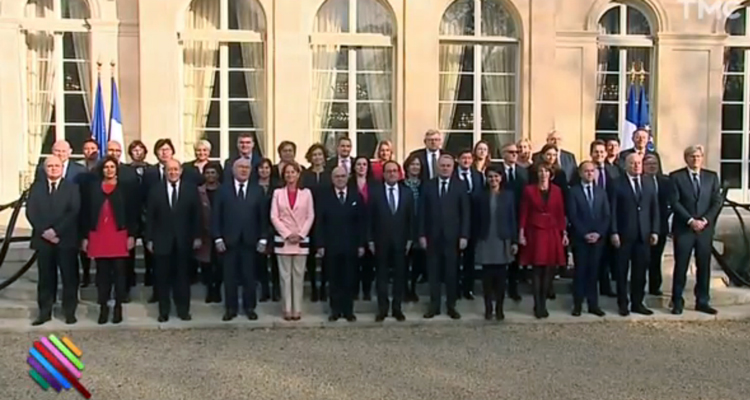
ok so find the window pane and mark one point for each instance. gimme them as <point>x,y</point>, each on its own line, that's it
<point>456,87</point>
<point>498,88</point>
<point>213,137</point>
<point>367,141</point>
<point>237,86</point>
<point>734,59</point>
<point>498,117</point>
<point>372,17</point>
<point>246,15</point>
<point>72,75</point>
<point>637,23</point>
<point>333,115</point>
<point>213,114</point>
<point>458,19</point>
<point>374,116</point>
<point>75,109</point>
<point>329,138</point>
<point>456,58</point>
<point>733,87</point>
<point>736,26</point>
<point>731,146</point>
<point>49,138</point>
<point>609,59</point>
<point>76,135</point>
<point>495,20</point>
<point>499,58</point>
<point>608,87</point>
<point>332,17</point>
<point>731,174</point>
<point>639,58</point>
<point>607,117</point>
<point>240,115</point>
<point>609,23</point>
<point>374,87</point>
<point>455,142</point>
<point>76,46</point>
<point>243,55</point>
<point>731,117</point>
<point>74,9</point>
<point>497,141</point>
<point>456,116</point>
<point>374,59</point>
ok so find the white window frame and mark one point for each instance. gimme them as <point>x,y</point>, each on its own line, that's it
<point>58,27</point>
<point>743,193</point>
<point>478,41</point>
<point>624,42</point>
<point>224,36</point>
<point>354,40</point>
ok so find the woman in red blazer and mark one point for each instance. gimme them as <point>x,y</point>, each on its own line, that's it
<point>542,234</point>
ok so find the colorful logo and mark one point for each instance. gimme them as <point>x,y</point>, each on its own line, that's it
<point>56,363</point>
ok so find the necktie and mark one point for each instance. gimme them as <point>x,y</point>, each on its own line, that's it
<point>637,185</point>
<point>345,164</point>
<point>696,185</point>
<point>602,177</point>
<point>511,175</point>
<point>241,192</point>
<point>433,166</point>
<point>656,185</point>
<point>52,187</point>
<point>161,173</point>
<point>342,198</point>
<point>443,188</point>
<point>392,199</point>
<point>467,180</point>
<point>173,199</point>
<point>590,196</point>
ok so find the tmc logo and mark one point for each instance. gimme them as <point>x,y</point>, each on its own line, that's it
<point>719,9</point>
<point>56,363</point>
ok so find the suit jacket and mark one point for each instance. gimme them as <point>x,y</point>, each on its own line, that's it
<point>625,153</point>
<point>585,219</point>
<point>152,177</point>
<point>173,226</point>
<point>58,211</point>
<point>567,161</point>
<point>193,170</point>
<point>288,220</point>
<point>664,190</point>
<point>71,174</point>
<point>520,182</point>
<point>341,228</point>
<point>334,162</point>
<point>611,173</point>
<point>477,188</point>
<point>203,254</point>
<point>123,203</point>
<point>229,164</point>
<point>506,216</point>
<point>240,222</point>
<point>386,228</point>
<point>444,218</point>
<point>634,218</point>
<point>424,174</point>
<point>686,205</point>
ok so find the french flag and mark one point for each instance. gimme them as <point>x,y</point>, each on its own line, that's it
<point>631,120</point>
<point>115,121</point>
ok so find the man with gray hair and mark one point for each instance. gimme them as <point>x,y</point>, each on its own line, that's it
<point>70,170</point>
<point>430,154</point>
<point>641,138</point>
<point>567,160</point>
<point>696,202</point>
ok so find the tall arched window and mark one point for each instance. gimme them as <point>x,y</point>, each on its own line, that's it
<point>479,61</point>
<point>58,75</point>
<point>625,57</point>
<point>735,113</point>
<point>224,75</point>
<point>353,64</point>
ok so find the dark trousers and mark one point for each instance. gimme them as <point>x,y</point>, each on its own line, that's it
<point>541,284</point>
<point>212,273</point>
<point>267,268</point>
<point>418,266</point>
<point>684,245</point>
<point>341,268</point>
<point>466,263</point>
<point>49,259</point>
<point>239,270</point>
<point>608,267</point>
<point>365,274</point>
<point>172,273</point>
<point>493,285</point>
<point>441,262</point>
<point>515,275</point>
<point>312,273</point>
<point>654,266</point>
<point>633,256</point>
<point>85,267</point>
<point>588,258</point>
<point>387,258</point>
<point>111,272</point>
<point>130,268</point>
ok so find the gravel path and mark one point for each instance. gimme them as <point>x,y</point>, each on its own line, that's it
<point>603,361</point>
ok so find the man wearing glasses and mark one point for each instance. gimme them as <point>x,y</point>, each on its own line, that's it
<point>516,178</point>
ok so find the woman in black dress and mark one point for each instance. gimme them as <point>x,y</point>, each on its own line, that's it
<point>266,260</point>
<point>316,178</point>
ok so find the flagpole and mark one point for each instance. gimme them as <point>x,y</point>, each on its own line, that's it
<point>112,79</point>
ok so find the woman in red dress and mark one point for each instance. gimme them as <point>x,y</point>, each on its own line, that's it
<point>110,221</point>
<point>542,234</point>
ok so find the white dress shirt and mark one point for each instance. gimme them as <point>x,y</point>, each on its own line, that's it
<point>632,185</point>
<point>388,188</point>
<point>588,188</point>
<point>237,187</point>
<point>344,190</point>
<point>465,175</point>
<point>56,182</point>
<point>447,185</point>
<point>65,168</point>
<point>171,189</point>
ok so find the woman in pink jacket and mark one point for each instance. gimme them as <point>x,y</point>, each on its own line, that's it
<point>292,215</point>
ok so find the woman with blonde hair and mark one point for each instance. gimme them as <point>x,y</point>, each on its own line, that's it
<point>383,154</point>
<point>524,153</point>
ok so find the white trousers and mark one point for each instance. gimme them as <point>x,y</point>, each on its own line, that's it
<point>292,279</point>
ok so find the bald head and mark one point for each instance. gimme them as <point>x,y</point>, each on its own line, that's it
<point>634,164</point>
<point>53,168</point>
<point>114,149</point>
<point>241,169</point>
<point>61,149</point>
<point>339,177</point>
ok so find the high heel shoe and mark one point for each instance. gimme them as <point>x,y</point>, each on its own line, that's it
<point>103,314</point>
<point>117,317</point>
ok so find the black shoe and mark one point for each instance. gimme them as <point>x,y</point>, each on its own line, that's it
<point>454,314</point>
<point>623,311</point>
<point>656,292</point>
<point>538,313</point>
<point>323,294</point>
<point>380,317</point>
<point>367,297</point>
<point>127,299</point>
<point>641,309</point>
<point>400,317</point>
<point>209,299</point>
<point>41,320</point>
<point>705,308</point>
<point>551,296</point>
<point>228,316</point>
<point>251,315</point>
<point>469,295</point>
<point>607,292</point>
<point>544,313</point>
<point>117,314</point>
<point>314,296</point>
<point>596,311</point>
<point>70,319</point>
<point>488,314</point>
<point>677,310</point>
<point>500,315</point>
<point>86,281</point>
<point>264,298</point>
<point>103,315</point>
<point>163,318</point>
<point>514,296</point>
<point>351,318</point>
<point>334,317</point>
<point>576,310</point>
<point>185,317</point>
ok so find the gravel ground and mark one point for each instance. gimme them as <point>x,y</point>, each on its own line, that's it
<point>600,361</point>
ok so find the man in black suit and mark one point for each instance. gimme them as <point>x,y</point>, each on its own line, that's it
<point>240,227</point>
<point>246,149</point>
<point>696,202</point>
<point>343,156</point>
<point>172,234</point>
<point>516,178</point>
<point>90,162</point>
<point>635,227</point>
<point>606,174</point>
<point>566,159</point>
<point>640,147</point>
<point>340,236</point>
<point>474,182</point>
<point>443,231</point>
<point>52,210</point>
<point>613,151</point>
<point>70,169</point>
<point>430,154</point>
<point>664,189</point>
<point>589,217</point>
<point>390,237</point>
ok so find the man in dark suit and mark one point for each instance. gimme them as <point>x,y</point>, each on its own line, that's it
<point>613,151</point>
<point>640,147</point>
<point>392,228</point>
<point>70,169</point>
<point>474,182</point>
<point>172,234</point>
<point>696,202</point>
<point>589,217</point>
<point>566,159</point>
<point>516,178</point>
<point>52,210</point>
<point>343,156</point>
<point>340,236</point>
<point>606,175</point>
<point>443,231</point>
<point>247,150</point>
<point>90,162</point>
<point>664,189</point>
<point>635,227</point>
<point>430,154</point>
<point>240,227</point>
